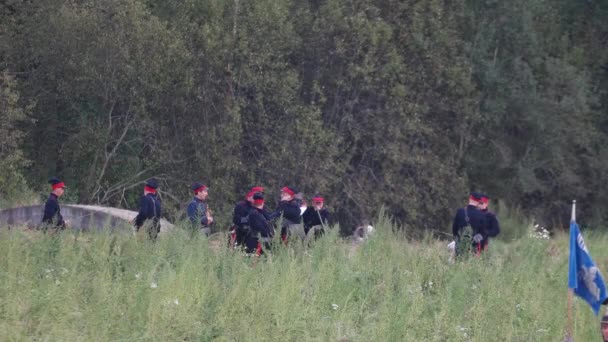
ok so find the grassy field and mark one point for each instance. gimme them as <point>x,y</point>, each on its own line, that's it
<point>115,287</point>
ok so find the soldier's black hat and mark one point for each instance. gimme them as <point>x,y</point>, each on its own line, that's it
<point>198,187</point>
<point>476,196</point>
<point>56,183</point>
<point>253,190</point>
<point>292,190</point>
<point>318,199</point>
<point>151,185</point>
<point>257,188</point>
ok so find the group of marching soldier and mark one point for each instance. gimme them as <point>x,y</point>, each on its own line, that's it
<point>253,223</point>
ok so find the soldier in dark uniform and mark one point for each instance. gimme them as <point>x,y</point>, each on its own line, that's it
<point>240,218</point>
<point>52,213</point>
<point>149,209</point>
<point>493,228</point>
<point>473,217</point>
<point>316,217</point>
<point>198,211</point>
<point>261,233</point>
<point>289,208</point>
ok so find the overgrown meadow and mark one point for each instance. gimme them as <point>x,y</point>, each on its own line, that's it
<point>114,286</point>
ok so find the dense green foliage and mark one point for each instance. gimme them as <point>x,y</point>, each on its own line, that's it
<point>106,287</point>
<point>12,160</point>
<point>406,104</point>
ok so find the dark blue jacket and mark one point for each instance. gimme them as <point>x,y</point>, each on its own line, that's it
<point>197,213</point>
<point>149,208</point>
<point>493,228</point>
<point>291,211</point>
<point>52,212</point>
<point>311,217</point>
<point>259,223</point>
<point>477,219</point>
<point>240,217</point>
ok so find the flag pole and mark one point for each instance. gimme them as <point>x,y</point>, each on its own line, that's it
<point>569,324</point>
<point>573,218</point>
<point>570,291</point>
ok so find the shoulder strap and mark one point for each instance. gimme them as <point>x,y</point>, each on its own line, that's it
<point>466,216</point>
<point>153,205</point>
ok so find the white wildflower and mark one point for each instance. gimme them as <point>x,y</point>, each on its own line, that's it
<point>176,302</point>
<point>452,246</point>
<point>57,282</point>
<point>335,306</point>
<point>64,270</point>
<point>370,229</point>
<point>153,285</point>
<point>518,307</point>
<point>539,232</point>
<point>463,330</point>
<point>138,275</point>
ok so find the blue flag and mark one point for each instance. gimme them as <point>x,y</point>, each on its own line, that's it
<point>583,276</point>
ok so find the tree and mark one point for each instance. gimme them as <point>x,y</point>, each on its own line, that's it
<point>12,159</point>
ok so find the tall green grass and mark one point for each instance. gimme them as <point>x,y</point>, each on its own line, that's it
<point>102,287</point>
